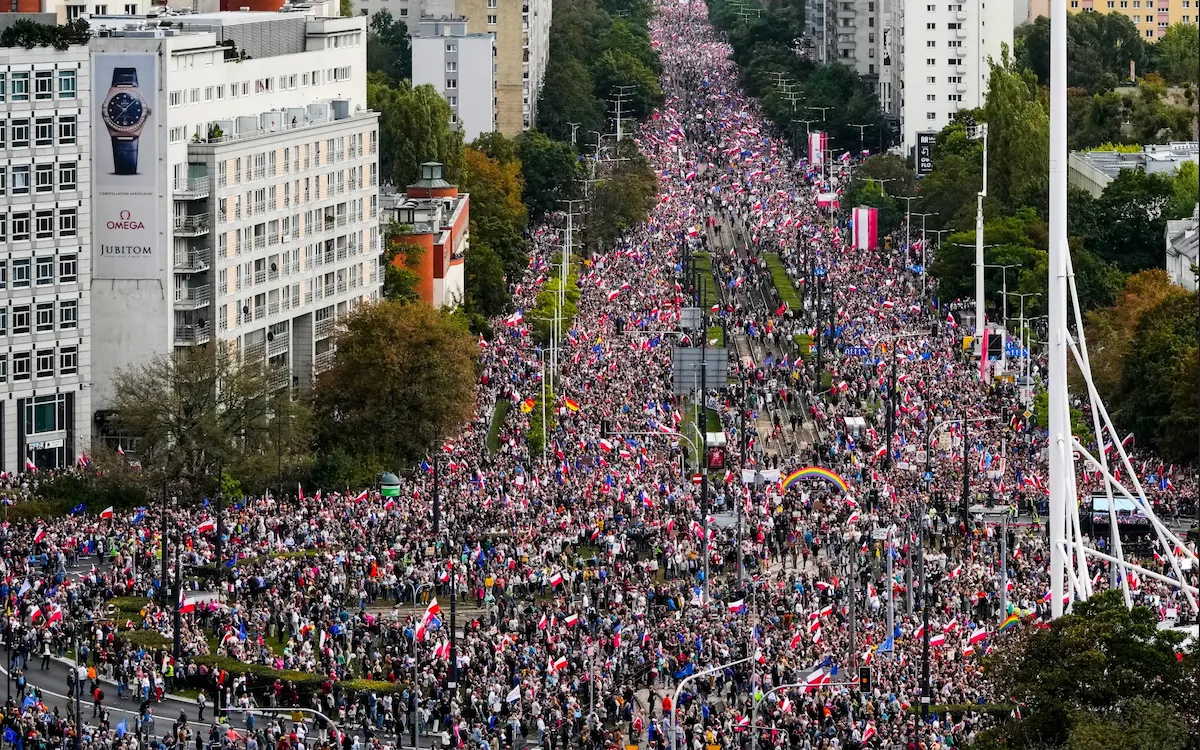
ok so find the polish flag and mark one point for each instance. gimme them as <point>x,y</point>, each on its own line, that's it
<point>39,535</point>
<point>979,634</point>
<point>556,579</point>
<point>186,605</point>
<point>361,497</point>
<point>956,573</point>
<point>560,664</point>
<point>937,640</point>
<point>795,641</point>
<point>950,626</point>
<point>823,586</point>
<point>29,466</point>
<point>815,680</point>
<point>868,734</point>
<point>206,526</point>
<point>107,512</point>
<point>542,622</point>
<point>571,620</point>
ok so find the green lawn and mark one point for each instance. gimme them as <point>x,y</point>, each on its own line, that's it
<point>803,342</point>
<point>493,438</point>
<point>704,271</point>
<point>783,283</point>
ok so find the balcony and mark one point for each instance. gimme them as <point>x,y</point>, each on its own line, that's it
<point>323,329</point>
<point>260,241</point>
<point>192,261</point>
<point>960,51</point>
<point>278,378</point>
<point>961,33</point>
<point>193,297</point>
<point>192,189</point>
<point>272,308</point>
<point>191,226</point>
<point>961,15</point>
<point>961,88</point>
<point>323,361</point>
<point>260,277</point>
<point>277,346</point>
<point>192,335</point>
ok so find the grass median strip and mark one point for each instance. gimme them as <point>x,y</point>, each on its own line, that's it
<point>498,415</point>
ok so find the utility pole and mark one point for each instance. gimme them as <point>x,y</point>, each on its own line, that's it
<point>823,110</point>
<point>1004,285</point>
<point>619,100</point>
<point>574,131</point>
<point>907,219</point>
<point>924,216</point>
<point>437,505</point>
<point>981,132</point>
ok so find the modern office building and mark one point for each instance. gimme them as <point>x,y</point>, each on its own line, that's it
<point>521,31</point>
<point>945,51</point>
<point>45,266</point>
<point>462,67</point>
<point>234,187</point>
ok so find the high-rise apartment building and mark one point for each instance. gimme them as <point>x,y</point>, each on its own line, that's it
<point>234,187</point>
<point>462,67</point>
<point>45,256</point>
<point>521,31</point>
<point>945,48</point>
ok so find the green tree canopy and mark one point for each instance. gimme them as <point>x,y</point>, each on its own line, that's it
<point>403,379</point>
<point>498,217</point>
<point>1126,224</point>
<point>414,127</point>
<point>621,200</point>
<point>389,49</point>
<point>1101,677</point>
<point>1179,54</point>
<point>549,169</point>
<point>1100,47</point>
<point>1018,135</point>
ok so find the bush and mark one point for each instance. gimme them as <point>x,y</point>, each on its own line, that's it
<point>305,682</point>
<point>382,687</point>
<point>148,639</point>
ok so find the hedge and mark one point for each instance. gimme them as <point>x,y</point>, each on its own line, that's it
<point>999,710</point>
<point>212,571</point>
<point>305,682</point>
<point>150,639</point>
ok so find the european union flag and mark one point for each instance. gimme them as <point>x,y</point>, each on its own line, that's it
<point>10,736</point>
<point>122,727</point>
<point>688,670</point>
<point>78,509</point>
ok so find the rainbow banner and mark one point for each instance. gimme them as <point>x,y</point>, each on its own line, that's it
<point>1011,621</point>
<point>816,472</point>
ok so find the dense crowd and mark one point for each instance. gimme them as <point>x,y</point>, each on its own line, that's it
<point>591,586</point>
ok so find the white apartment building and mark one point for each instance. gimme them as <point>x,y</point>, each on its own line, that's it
<point>944,49</point>
<point>462,67</point>
<point>521,32</point>
<point>45,257</point>
<point>234,188</point>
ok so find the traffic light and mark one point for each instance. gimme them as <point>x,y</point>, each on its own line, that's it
<point>933,329</point>
<point>603,429</point>
<point>620,325</point>
<point>864,679</point>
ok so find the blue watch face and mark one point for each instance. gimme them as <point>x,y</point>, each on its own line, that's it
<point>124,110</point>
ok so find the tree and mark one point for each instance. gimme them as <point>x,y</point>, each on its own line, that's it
<point>1100,47</point>
<point>389,49</point>
<point>497,146</point>
<point>549,169</point>
<point>1185,191</point>
<point>201,409</point>
<point>1018,135</point>
<point>1126,224</point>
<point>485,285</point>
<point>498,216</point>
<point>867,192</point>
<point>414,127</point>
<point>402,280</point>
<point>1102,676</point>
<point>1179,54</point>
<point>1018,240</point>
<point>618,68</point>
<point>403,378</point>
<point>1151,118</point>
<point>621,201</point>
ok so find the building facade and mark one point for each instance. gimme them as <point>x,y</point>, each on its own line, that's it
<point>1183,250</point>
<point>435,217</point>
<point>235,186</point>
<point>1094,170</point>
<point>1151,17</point>
<point>521,32</point>
<point>945,53</point>
<point>45,222</point>
<point>461,67</point>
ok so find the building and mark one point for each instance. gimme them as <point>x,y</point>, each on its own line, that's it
<point>1183,250</point>
<point>461,67</point>
<point>1094,170</point>
<point>45,222</point>
<point>236,191</point>
<point>1151,17</point>
<point>61,11</point>
<point>521,31</point>
<point>434,216</point>
<point>945,51</point>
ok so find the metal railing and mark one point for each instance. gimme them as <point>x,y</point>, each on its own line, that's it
<point>195,295</point>
<point>195,187</point>
<point>195,224</point>
<point>193,334</point>
<point>192,260</point>
<point>324,328</point>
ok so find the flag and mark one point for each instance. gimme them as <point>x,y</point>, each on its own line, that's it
<point>107,512</point>
<point>361,497</point>
<point>1009,622</point>
<point>570,404</point>
<point>39,535</point>
<point>560,663</point>
<point>206,527</point>
<point>979,634</point>
<point>122,727</point>
<point>514,695</point>
<point>738,607</point>
<point>571,620</point>
<point>868,734</point>
<point>688,670</point>
<point>556,579</point>
<point>76,510</point>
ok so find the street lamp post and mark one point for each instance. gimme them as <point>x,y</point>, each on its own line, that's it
<point>980,132</point>
<point>924,249</point>
<point>1004,285</point>
<point>679,689</point>
<point>890,417</point>
<point>1021,323</point>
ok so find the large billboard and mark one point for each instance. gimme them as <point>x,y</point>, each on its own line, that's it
<point>125,173</point>
<point>925,142</point>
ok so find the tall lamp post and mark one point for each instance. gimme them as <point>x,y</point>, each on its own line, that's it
<point>1004,285</point>
<point>890,416</point>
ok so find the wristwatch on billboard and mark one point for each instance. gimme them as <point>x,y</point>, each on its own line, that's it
<point>125,113</point>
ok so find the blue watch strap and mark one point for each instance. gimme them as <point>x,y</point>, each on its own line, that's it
<point>125,155</point>
<point>124,77</point>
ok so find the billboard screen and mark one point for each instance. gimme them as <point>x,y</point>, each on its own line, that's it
<point>925,144</point>
<point>125,232</point>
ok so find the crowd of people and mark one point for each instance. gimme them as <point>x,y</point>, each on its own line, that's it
<point>589,594</point>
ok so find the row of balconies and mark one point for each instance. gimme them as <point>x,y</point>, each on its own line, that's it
<point>298,164</point>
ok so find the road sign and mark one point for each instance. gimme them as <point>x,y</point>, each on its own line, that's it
<point>1027,414</point>
<point>818,271</point>
<point>697,478</point>
<point>856,351</point>
<point>929,476</point>
<point>685,368</point>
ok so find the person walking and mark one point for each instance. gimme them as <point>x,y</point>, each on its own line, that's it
<point>201,704</point>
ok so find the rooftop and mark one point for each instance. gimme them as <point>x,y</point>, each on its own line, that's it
<point>1154,157</point>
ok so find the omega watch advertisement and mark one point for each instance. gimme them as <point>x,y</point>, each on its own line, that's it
<point>125,166</point>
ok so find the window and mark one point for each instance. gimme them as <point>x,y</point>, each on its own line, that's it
<point>21,268</point>
<point>44,268</point>
<point>68,360</point>
<point>491,19</point>
<point>21,363</point>
<point>451,47</point>
<point>20,319</point>
<point>175,99</point>
<point>930,61</point>
<point>20,180</point>
<point>3,131</point>
<point>194,97</point>
<point>954,97</point>
<point>930,79</point>
<point>44,221</point>
<point>20,231</point>
<point>69,268</point>
<point>3,274</point>
<point>930,43</point>
<point>208,93</point>
<point>66,130</point>
<point>44,317</point>
<point>131,9</point>
<point>67,227</point>
<point>67,175</point>
<point>102,10</point>
<point>20,133</point>
<point>75,12</point>
<point>43,131</point>
<point>1137,19</point>
<point>45,363</point>
<point>452,67</point>
<point>931,26</point>
<point>4,86</point>
<point>4,320</point>
<point>20,87</point>
<point>68,315</point>
<point>66,84</point>
<point>452,83</point>
<point>1149,33</point>
<point>452,101</point>
<point>220,92</point>
<point>931,115</point>
<point>931,97</point>
<point>43,178</point>
<point>931,9</point>
<point>43,85</point>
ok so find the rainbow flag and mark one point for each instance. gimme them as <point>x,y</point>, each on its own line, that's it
<point>1009,622</point>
